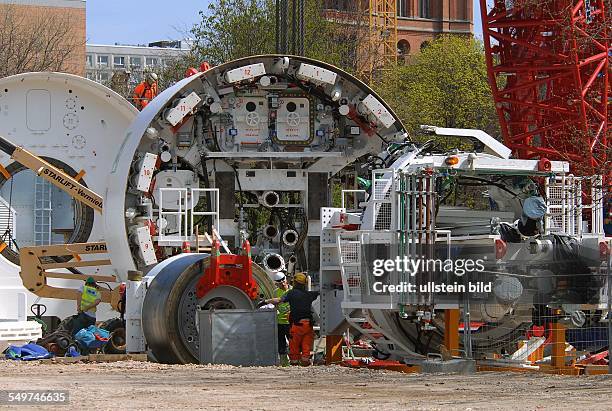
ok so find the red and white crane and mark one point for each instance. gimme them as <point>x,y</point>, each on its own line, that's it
<point>549,70</point>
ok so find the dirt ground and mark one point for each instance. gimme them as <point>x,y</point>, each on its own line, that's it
<point>133,385</point>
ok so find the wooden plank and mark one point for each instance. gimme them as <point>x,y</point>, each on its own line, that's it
<point>592,369</point>
<point>383,365</point>
<point>495,368</point>
<point>96,358</point>
<point>116,357</point>
<point>63,360</point>
<point>451,331</point>
<point>558,345</point>
<point>565,370</point>
<point>333,349</point>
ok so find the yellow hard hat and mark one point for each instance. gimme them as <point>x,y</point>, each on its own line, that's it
<point>300,278</point>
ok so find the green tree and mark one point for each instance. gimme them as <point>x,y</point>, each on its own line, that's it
<point>174,69</point>
<point>444,85</point>
<point>231,29</point>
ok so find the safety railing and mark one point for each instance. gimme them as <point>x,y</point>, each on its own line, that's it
<point>383,198</point>
<point>349,250</point>
<point>575,205</point>
<point>177,223</point>
<point>213,214</point>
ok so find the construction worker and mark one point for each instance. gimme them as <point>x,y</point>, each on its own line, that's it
<point>282,317</point>
<point>192,71</point>
<point>301,331</point>
<point>146,91</point>
<point>87,304</point>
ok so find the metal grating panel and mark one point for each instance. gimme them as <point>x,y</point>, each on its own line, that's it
<point>350,251</point>
<point>383,216</point>
<point>350,265</point>
<point>353,280</point>
<point>566,206</point>
<point>383,185</point>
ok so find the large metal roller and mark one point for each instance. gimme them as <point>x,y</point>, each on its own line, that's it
<point>169,310</point>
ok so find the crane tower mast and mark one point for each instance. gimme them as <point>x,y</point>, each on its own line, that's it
<point>549,67</point>
<point>383,32</point>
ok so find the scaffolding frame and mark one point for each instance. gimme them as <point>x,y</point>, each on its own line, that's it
<point>383,33</point>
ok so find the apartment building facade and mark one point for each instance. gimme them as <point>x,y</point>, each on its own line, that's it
<point>103,61</point>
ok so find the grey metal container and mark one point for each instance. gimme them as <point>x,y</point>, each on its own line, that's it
<point>238,337</point>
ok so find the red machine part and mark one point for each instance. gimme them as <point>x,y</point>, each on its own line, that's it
<point>548,65</point>
<point>229,269</point>
<point>597,359</point>
<point>501,248</point>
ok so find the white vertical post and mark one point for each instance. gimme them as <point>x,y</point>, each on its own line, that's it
<point>134,297</point>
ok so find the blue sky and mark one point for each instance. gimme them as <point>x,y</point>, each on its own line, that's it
<point>141,22</point>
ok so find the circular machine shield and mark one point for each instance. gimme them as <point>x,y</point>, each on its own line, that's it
<point>75,123</point>
<point>291,108</point>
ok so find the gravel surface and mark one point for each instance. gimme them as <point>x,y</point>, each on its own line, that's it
<point>135,385</point>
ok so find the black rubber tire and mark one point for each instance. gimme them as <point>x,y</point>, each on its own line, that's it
<point>160,309</point>
<point>117,340</point>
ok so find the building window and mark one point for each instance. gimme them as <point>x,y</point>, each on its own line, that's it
<point>103,61</point>
<point>135,62</point>
<point>103,77</point>
<point>461,8</point>
<point>424,9</point>
<point>91,75</point>
<point>89,60</point>
<point>403,8</point>
<point>119,62</point>
<point>152,62</point>
<point>403,50</point>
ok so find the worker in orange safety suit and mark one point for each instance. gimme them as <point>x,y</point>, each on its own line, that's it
<point>301,333</point>
<point>192,71</point>
<point>146,91</point>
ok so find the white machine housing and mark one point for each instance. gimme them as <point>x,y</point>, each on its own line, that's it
<point>379,220</point>
<point>67,118</point>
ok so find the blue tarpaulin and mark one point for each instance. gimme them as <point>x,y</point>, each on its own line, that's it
<point>92,337</point>
<point>27,352</point>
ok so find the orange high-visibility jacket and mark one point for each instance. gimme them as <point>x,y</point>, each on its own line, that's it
<point>144,93</point>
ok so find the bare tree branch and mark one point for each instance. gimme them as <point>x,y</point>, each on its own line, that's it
<point>36,41</point>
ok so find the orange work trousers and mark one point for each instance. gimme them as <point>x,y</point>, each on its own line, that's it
<point>301,342</point>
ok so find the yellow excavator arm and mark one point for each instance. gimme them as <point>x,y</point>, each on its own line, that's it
<point>34,271</point>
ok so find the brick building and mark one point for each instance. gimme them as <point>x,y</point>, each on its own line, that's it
<point>69,12</point>
<point>419,21</point>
